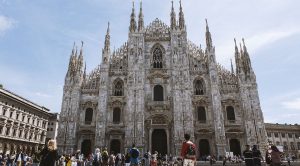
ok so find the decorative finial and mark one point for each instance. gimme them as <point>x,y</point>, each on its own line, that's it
<point>234,42</point>
<point>81,44</point>
<point>243,41</point>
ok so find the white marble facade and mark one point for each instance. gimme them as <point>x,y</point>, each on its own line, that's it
<point>156,87</point>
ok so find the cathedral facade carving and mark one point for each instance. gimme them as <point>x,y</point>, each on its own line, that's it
<point>156,87</point>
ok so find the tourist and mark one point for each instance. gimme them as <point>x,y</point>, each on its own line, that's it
<point>134,155</point>
<point>248,156</point>
<point>256,156</point>
<point>147,158</point>
<point>49,154</point>
<point>105,157</point>
<point>19,160</point>
<point>127,159</point>
<point>97,157</point>
<point>188,151</point>
<point>112,159</point>
<point>275,156</point>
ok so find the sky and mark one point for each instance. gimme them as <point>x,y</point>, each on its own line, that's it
<point>36,38</point>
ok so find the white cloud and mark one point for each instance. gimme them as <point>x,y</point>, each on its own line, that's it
<point>39,94</point>
<point>293,104</point>
<point>6,23</point>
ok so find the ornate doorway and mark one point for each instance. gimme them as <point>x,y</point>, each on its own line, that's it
<point>86,147</point>
<point>159,141</point>
<point>204,148</point>
<point>115,146</point>
<point>235,146</point>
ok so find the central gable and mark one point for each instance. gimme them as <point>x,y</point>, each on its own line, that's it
<point>157,31</point>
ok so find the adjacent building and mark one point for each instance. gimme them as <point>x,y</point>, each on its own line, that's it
<point>52,126</point>
<point>286,136</point>
<point>156,87</point>
<point>23,124</point>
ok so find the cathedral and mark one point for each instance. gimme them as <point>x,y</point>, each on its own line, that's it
<point>154,88</point>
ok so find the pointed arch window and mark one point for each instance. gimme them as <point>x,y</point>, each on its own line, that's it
<point>116,115</point>
<point>119,88</point>
<point>158,93</point>
<point>201,113</point>
<point>198,87</point>
<point>157,58</point>
<point>88,116</point>
<point>230,113</point>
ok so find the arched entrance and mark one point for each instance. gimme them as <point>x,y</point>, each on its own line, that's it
<point>159,141</point>
<point>115,146</point>
<point>86,147</point>
<point>204,148</point>
<point>235,146</point>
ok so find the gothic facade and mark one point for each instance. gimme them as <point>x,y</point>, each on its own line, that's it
<point>156,87</point>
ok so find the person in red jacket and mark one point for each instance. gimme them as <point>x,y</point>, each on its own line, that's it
<point>188,151</point>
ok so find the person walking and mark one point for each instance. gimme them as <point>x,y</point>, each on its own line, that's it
<point>248,156</point>
<point>49,154</point>
<point>134,155</point>
<point>188,151</point>
<point>256,156</point>
<point>105,157</point>
<point>97,157</point>
<point>20,158</point>
<point>275,156</point>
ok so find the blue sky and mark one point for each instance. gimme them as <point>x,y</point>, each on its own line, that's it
<point>36,38</point>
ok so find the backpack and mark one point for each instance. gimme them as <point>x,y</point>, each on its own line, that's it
<point>105,156</point>
<point>191,151</point>
<point>134,153</point>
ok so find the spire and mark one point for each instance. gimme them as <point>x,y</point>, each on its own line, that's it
<point>132,27</point>
<point>246,58</point>
<point>71,58</point>
<point>237,57</point>
<point>173,17</point>
<point>141,18</point>
<point>181,17</point>
<point>232,71</point>
<point>80,58</point>
<point>208,36</point>
<point>107,40</point>
<point>84,71</point>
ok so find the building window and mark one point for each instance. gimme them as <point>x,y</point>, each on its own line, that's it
<point>285,147</point>
<point>4,112</point>
<point>276,135</point>
<point>157,58</point>
<point>7,131</point>
<point>23,117</point>
<point>282,135</point>
<point>116,115</point>
<point>230,113</point>
<point>158,93</point>
<point>298,144</point>
<point>277,143</point>
<point>20,134</point>
<point>88,116</point>
<point>11,114</point>
<point>1,128</point>
<point>201,114</point>
<point>118,88</point>
<point>17,116</point>
<point>198,87</point>
<point>292,146</point>
<point>290,135</point>
<point>269,134</point>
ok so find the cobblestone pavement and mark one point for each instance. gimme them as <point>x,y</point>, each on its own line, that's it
<point>219,163</point>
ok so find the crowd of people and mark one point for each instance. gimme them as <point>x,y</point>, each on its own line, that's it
<point>49,157</point>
